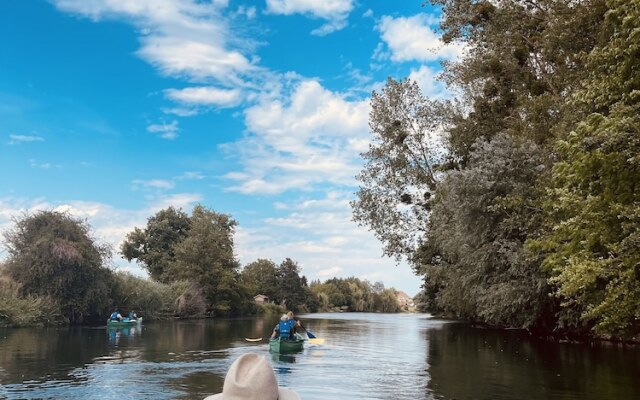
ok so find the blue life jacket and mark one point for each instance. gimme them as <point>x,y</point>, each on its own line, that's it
<point>286,329</point>
<point>114,315</point>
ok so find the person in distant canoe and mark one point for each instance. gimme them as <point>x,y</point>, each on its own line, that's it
<point>284,326</point>
<point>132,315</point>
<point>115,316</point>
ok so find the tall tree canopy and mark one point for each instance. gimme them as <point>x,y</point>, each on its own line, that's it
<point>153,246</point>
<point>532,212</point>
<point>400,172</point>
<point>53,254</point>
<point>261,277</point>
<point>293,288</point>
<point>206,256</point>
<point>592,237</point>
<point>198,249</point>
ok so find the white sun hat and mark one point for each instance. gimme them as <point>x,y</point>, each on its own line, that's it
<point>251,377</point>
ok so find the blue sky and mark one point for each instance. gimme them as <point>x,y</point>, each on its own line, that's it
<point>115,109</point>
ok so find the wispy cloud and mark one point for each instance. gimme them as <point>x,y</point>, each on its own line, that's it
<point>414,39</point>
<point>190,175</point>
<point>42,165</point>
<point>166,131</point>
<point>335,12</point>
<point>205,96</point>
<point>153,184</point>
<point>180,111</point>
<point>187,39</point>
<point>18,139</point>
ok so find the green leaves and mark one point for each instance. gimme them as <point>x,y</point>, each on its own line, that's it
<point>400,165</point>
<point>52,255</point>
<point>539,189</point>
<point>198,249</point>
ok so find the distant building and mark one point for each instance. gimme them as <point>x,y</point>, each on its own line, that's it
<point>404,300</point>
<point>261,299</point>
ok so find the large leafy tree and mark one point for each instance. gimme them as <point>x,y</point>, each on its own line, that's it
<point>206,256</point>
<point>198,249</point>
<point>400,175</point>
<point>154,246</point>
<point>293,289</point>
<point>592,241</point>
<point>523,64</point>
<point>261,277</point>
<point>52,254</point>
<point>474,262</point>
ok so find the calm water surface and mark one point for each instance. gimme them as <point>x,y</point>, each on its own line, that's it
<point>365,356</point>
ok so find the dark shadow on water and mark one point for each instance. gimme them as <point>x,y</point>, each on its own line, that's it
<point>468,363</point>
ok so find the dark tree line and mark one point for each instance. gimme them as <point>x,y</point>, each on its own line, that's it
<point>56,272</point>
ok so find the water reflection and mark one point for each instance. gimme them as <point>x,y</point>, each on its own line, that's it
<point>469,363</point>
<point>282,363</point>
<point>115,334</point>
<point>40,355</point>
<point>364,356</point>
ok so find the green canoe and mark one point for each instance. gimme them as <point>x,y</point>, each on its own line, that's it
<point>124,323</point>
<point>285,346</point>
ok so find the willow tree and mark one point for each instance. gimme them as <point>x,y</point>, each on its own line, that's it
<point>400,172</point>
<point>52,254</point>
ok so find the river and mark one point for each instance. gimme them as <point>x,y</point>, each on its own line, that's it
<point>364,356</point>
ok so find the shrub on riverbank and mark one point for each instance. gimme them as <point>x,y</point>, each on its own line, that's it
<point>270,309</point>
<point>151,300</point>
<point>52,255</point>
<point>190,300</point>
<point>27,311</point>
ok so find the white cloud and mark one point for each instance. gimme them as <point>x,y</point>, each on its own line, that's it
<point>205,95</point>
<point>312,137</point>
<point>43,165</point>
<point>246,12</point>
<point>318,233</point>
<point>335,12</point>
<point>110,224</point>
<point>180,111</point>
<point>154,184</point>
<point>186,201</point>
<point>429,85</point>
<point>167,131</point>
<point>329,272</point>
<point>17,139</point>
<point>184,38</point>
<point>191,175</point>
<point>413,39</point>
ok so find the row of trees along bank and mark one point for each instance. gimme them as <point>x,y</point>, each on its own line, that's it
<point>519,200</point>
<point>56,273</point>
